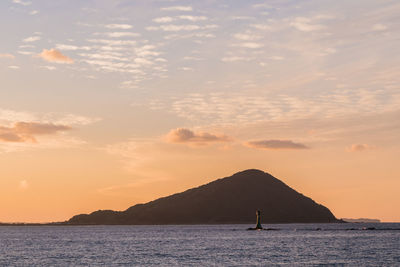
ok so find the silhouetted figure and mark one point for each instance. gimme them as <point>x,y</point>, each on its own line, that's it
<point>258,224</point>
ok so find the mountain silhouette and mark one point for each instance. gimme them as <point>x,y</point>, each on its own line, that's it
<point>231,199</point>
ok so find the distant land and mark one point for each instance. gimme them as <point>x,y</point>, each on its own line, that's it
<point>361,220</point>
<point>233,199</point>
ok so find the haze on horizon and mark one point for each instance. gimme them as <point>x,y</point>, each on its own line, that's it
<point>105,104</point>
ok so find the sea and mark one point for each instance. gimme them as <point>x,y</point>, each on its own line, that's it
<point>346,244</point>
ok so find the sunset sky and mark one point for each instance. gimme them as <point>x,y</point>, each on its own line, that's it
<point>106,104</point>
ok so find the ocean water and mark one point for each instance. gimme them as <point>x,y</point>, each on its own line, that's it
<point>201,245</point>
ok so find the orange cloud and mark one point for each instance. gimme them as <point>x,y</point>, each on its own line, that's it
<point>54,55</point>
<point>275,144</point>
<point>26,131</point>
<point>7,56</point>
<point>358,147</point>
<point>182,135</point>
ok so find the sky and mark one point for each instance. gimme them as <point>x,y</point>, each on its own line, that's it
<point>106,104</point>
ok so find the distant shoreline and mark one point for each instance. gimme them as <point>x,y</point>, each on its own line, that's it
<point>69,224</point>
<point>361,220</point>
<point>250,223</point>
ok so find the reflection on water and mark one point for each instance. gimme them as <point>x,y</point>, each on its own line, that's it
<point>291,244</point>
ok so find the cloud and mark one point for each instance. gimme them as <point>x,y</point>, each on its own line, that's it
<point>7,56</point>
<point>359,147</point>
<point>176,28</point>
<point>48,67</point>
<point>152,28</point>
<point>177,8</point>
<point>103,57</point>
<point>31,39</point>
<point>183,17</point>
<point>221,107</point>
<point>39,128</point>
<point>247,37</point>
<point>22,2</point>
<point>119,26</point>
<point>121,34</point>
<point>10,117</point>
<point>193,58</point>
<point>9,136</point>
<point>276,58</point>
<point>25,52</point>
<point>262,5</point>
<point>7,116</point>
<point>54,55</point>
<point>305,25</point>
<point>72,47</point>
<point>164,19</point>
<point>13,67</point>
<point>234,58</point>
<point>275,144</point>
<point>241,18</point>
<point>379,27</point>
<point>26,131</point>
<point>34,12</point>
<point>250,45</point>
<point>113,42</point>
<point>264,27</point>
<point>187,36</point>
<point>193,18</point>
<point>183,135</point>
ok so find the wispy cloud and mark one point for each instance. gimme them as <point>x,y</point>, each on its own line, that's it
<point>25,52</point>
<point>31,39</point>
<point>113,42</point>
<point>121,34</point>
<point>11,117</point>
<point>306,24</point>
<point>119,26</point>
<point>247,36</point>
<point>201,35</point>
<point>262,5</point>
<point>193,58</point>
<point>359,147</point>
<point>234,58</point>
<point>275,144</point>
<point>20,2</point>
<point>379,27</point>
<point>174,27</point>
<point>250,45</point>
<point>227,108</point>
<point>7,115</point>
<point>48,67</point>
<point>10,56</point>
<point>138,57</point>
<point>177,8</point>
<point>193,18</point>
<point>259,26</point>
<point>183,135</point>
<point>56,56</point>
<point>164,19</point>
<point>72,47</point>
<point>276,58</point>
<point>182,17</point>
<point>27,131</point>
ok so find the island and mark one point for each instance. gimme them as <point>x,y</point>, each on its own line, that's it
<point>229,200</point>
